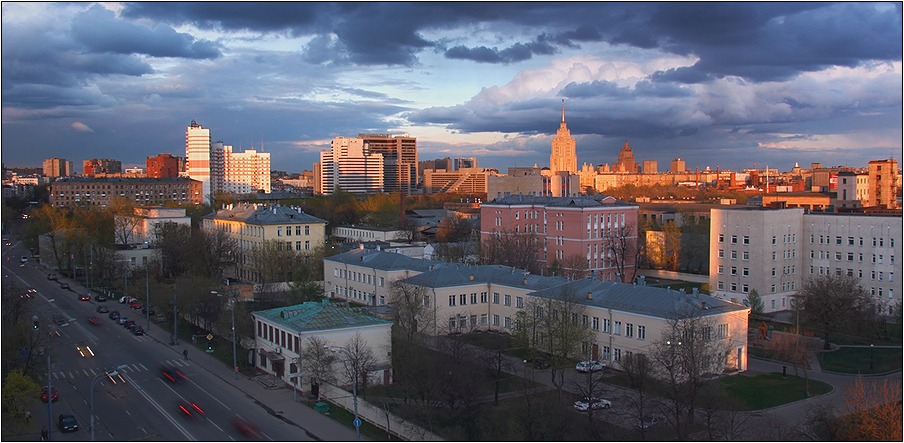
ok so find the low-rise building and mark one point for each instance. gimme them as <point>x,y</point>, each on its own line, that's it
<point>84,191</point>
<point>364,276</point>
<point>281,336</point>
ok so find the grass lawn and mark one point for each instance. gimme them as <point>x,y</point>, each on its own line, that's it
<point>347,418</point>
<point>859,360</point>
<point>768,390</point>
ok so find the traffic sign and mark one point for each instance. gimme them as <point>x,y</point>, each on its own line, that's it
<point>209,336</point>
<point>357,422</point>
<point>209,350</point>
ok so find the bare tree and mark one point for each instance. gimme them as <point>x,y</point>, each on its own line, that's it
<point>498,365</point>
<point>574,267</point>
<point>272,264</point>
<point>553,326</point>
<point>125,221</point>
<point>317,360</point>
<point>623,249</point>
<point>518,250</point>
<point>794,349</point>
<point>875,408</point>
<point>357,359</point>
<point>832,303</point>
<point>638,368</point>
<point>414,315</point>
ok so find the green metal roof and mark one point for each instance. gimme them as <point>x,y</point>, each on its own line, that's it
<point>318,316</point>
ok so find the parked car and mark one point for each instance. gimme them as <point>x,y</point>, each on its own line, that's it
<point>121,320</point>
<point>136,330</point>
<point>128,324</point>
<point>113,315</point>
<point>648,421</point>
<point>50,394</point>
<point>589,366</point>
<point>592,403</point>
<point>102,309</point>
<point>64,285</point>
<point>84,297</point>
<point>539,363</point>
<point>134,304</point>
<point>24,259</point>
<point>51,276</point>
<point>100,298</point>
<point>67,423</point>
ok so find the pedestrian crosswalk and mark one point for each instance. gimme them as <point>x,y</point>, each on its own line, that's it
<point>127,368</point>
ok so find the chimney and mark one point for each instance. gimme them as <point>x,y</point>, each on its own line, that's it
<point>525,281</point>
<point>696,291</point>
<point>471,277</point>
<point>703,305</point>
<point>589,295</point>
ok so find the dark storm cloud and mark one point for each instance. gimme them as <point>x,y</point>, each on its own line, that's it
<point>515,53</point>
<point>100,31</point>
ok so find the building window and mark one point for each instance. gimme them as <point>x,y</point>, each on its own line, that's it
<point>288,231</point>
<point>721,269</point>
<point>746,240</point>
<point>734,255</point>
<point>508,323</point>
<point>606,325</point>
<point>473,298</point>
<point>519,302</point>
<point>307,230</point>
<point>279,231</point>
<point>721,253</point>
<point>452,300</point>
<point>483,297</point>
<point>745,272</point>
<point>495,320</point>
<point>734,270</point>
<point>734,239</point>
<point>452,325</point>
<point>463,299</point>
<point>595,324</point>
<point>745,255</point>
<point>721,285</point>
<point>484,319</point>
<point>507,300</point>
<point>495,298</point>
<point>629,329</point>
<point>617,330</point>
<point>721,238</point>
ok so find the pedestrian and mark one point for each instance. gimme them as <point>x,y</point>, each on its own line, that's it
<point>185,353</point>
<point>44,433</point>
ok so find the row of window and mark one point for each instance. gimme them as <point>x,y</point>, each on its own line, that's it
<point>277,336</point>
<point>839,256</point>
<point>279,230</point>
<point>787,239</point>
<point>745,287</point>
<point>827,240</point>
<point>362,296</point>
<point>786,270</point>
<point>874,275</point>
<point>358,276</point>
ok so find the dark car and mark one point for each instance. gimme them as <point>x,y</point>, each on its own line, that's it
<point>136,330</point>
<point>145,312</point>
<point>540,363</point>
<point>53,395</point>
<point>172,375</point>
<point>64,285</point>
<point>128,324</point>
<point>102,309</point>
<point>68,423</point>
<point>113,315</point>
<point>100,298</point>
<point>84,297</point>
<point>51,276</point>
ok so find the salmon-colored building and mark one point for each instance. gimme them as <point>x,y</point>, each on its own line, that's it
<point>602,230</point>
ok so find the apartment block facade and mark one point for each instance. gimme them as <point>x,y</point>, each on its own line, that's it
<point>567,227</point>
<point>364,276</point>
<point>245,172</point>
<point>197,156</point>
<point>164,166</point>
<point>96,166</point>
<point>251,225</point>
<point>57,167</point>
<point>351,166</point>
<point>82,191</point>
<point>775,250</point>
<point>400,165</point>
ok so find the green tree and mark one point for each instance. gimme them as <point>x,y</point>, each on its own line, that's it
<point>19,393</point>
<point>832,303</point>
<point>755,303</point>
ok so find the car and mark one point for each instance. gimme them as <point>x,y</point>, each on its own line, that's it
<point>589,366</point>
<point>172,375</point>
<point>84,297</point>
<point>592,403</point>
<point>191,410</point>
<point>100,298</point>
<point>648,421</point>
<point>246,428</point>
<point>121,319</point>
<point>67,423</point>
<point>128,324</point>
<point>113,315</point>
<point>93,320</point>
<point>51,276</point>
<point>135,304</point>
<point>539,363</point>
<point>145,312</point>
<point>53,395</point>
<point>102,309</point>
<point>127,299</point>
<point>136,330</point>
<point>64,285</point>
<point>24,259</point>
<point>84,350</point>
<point>58,319</point>
<point>31,292</point>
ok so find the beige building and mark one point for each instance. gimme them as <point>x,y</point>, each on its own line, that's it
<point>246,172</point>
<point>625,318</point>
<point>883,184</point>
<point>364,276</point>
<point>253,225</point>
<point>853,190</point>
<point>81,191</point>
<point>563,157</point>
<point>775,250</point>
<point>464,181</point>
<point>144,227</point>
<point>57,167</point>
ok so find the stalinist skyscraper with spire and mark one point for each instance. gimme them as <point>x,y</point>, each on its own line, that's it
<point>563,158</point>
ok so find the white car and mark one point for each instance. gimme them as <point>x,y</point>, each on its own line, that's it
<point>648,421</point>
<point>592,403</point>
<point>589,366</point>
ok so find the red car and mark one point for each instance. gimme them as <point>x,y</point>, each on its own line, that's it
<point>135,305</point>
<point>93,320</point>
<point>54,396</point>
<point>84,297</point>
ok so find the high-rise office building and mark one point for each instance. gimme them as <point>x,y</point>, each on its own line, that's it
<point>677,166</point>
<point>218,166</point>
<point>400,168</point>
<point>164,166</point>
<point>197,156</point>
<point>563,157</point>
<point>57,167</point>
<point>244,172</point>
<point>95,166</point>
<point>351,166</point>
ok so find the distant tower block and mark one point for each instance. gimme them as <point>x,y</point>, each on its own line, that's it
<point>650,167</point>
<point>626,159</point>
<point>677,166</point>
<point>563,158</point>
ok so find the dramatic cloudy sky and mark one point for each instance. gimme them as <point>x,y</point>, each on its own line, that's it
<point>718,84</point>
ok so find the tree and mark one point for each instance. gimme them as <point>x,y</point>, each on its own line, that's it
<point>453,229</point>
<point>755,303</point>
<point>638,368</point>
<point>317,360</point>
<point>832,303</point>
<point>357,360</point>
<point>794,349</point>
<point>125,221</point>
<point>19,391</point>
<point>623,250</point>
<point>413,314</point>
<point>507,248</point>
<point>272,264</point>
<point>553,325</point>
<point>875,411</point>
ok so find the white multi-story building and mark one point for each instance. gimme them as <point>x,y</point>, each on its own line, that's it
<point>775,250</point>
<point>197,156</point>
<point>246,172</point>
<point>853,189</point>
<point>364,276</point>
<point>144,227</point>
<point>351,166</point>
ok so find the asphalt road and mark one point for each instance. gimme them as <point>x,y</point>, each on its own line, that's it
<point>138,403</point>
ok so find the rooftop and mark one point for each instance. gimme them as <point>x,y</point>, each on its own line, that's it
<point>318,316</point>
<point>264,214</point>
<point>581,202</point>
<point>385,261</point>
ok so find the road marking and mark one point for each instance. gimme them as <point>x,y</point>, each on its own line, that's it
<point>136,368</point>
<point>188,435</point>
<point>71,375</point>
<point>86,372</point>
<point>58,376</point>
<point>143,366</point>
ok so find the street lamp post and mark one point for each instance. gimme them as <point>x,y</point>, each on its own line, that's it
<point>93,382</point>
<point>235,366</point>
<point>357,421</point>
<point>870,356</point>
<point>147,296</point>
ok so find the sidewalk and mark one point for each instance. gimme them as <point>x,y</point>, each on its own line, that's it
<point>278,402</point>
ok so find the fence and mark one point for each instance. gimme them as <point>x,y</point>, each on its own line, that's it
<point>377,416</point>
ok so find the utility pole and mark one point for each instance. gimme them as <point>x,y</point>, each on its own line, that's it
<point>175,320</point>
<point>147,296</point>
<point>49,399</point>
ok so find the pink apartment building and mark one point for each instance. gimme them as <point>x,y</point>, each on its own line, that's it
<point>601,230</point>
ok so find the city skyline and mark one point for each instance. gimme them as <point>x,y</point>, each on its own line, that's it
<point>724,85</point>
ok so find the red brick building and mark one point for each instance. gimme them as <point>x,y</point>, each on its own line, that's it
<point>82,191</point>
<point>164,166</point>
<point>598,234</point>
